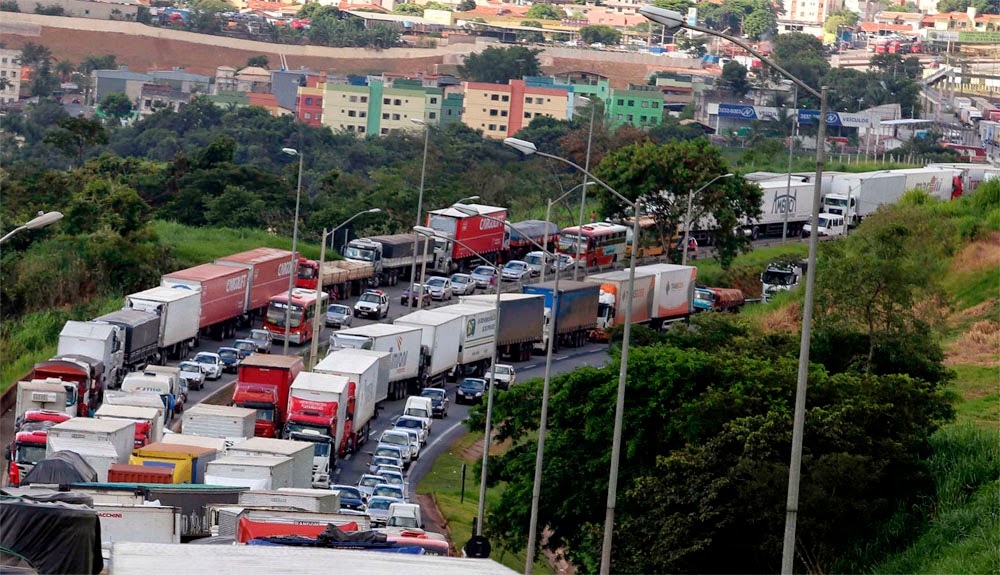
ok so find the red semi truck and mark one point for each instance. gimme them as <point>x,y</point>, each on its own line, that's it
<point>262,383</point>
<point>224,292</point>
<point>269,270</point>
<point>85,374</point>
<point>482,234</point>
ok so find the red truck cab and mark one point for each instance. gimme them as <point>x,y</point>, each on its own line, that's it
<point>27,449</point>
<point>262,384</point>
<point>84,374</point>
<point>308,274</point>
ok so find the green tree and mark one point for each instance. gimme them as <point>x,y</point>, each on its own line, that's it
<point>802,55</point>
<point>734,78</point>
<point>437,6</point>
<point>696,46</point>
<point>257,61</point>
<point>9,6</point>
<point>91,63</point>
<point>843,17</point>
<point>116,105</point>
<point>661,176</point>
<point>408,8</point>
<point>981,6</point>
<point>675,5</point>
<point>760,24</point>
<point>75,136</point>
<point>600,34</point>
<point>65,69</point>
<point>236,207</point>
<point>50,10</point>
<point>313,10</point>
<point>466,5</point>
<point>545,12</point>
<point>530,37</point>
<point>501,65</point>
<point>34,54</point>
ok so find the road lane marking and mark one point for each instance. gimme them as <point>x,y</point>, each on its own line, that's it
<point>441,436</point>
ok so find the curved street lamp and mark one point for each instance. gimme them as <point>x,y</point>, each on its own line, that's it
<point>40,221</point>
<point>672,20</point>
<point>295,245</point>
<point>687,218</point>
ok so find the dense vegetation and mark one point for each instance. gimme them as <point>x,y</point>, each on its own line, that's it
<point>708,425</point>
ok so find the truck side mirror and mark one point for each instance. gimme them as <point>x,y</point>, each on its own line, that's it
<point>8,454</point>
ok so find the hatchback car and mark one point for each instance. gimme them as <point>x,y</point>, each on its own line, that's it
<point>415,423</point>
<point>388,450</point>
<point>367,484</point>
<point>262,340</point>
<point>535,261</point>
<point>463,284</point>
<point>440,288</point>
<point>400,439</point>
<point>565,262</point>
<point>380,461</point>
<point>394,478</point>
<point>378,509</point>
<point>193,374</point>
<point>230,357</point>
<point>439,400</point>
<point>471,390</point>
<point>245,347</point>
<point>485,276</point>
<point>424,295</point>
<point>516,271</point>
<point>387,490</point>
<point>350,496</point>
<point>338,316</point>
<point>211,363</point>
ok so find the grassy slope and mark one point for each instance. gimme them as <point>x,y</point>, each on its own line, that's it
<point>33,337</point>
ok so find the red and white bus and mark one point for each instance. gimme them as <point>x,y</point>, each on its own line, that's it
<point>599,243</point>
<point>304,307</point>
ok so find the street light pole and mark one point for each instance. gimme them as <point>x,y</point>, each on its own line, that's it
<point>528,148</point>
<point>420,205</point>
<point>548,218</point>
<point>791,146</point>
<point>583,192</point>
<point>423,265</point>
<point>40,221</point>
<point>674,20</point>
<point>687,218</point>
<point>314,349</point>
<point>295,245</point>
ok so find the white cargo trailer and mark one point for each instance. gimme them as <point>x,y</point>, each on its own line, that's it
<point>101,341</point>
<point>180,316</point>
<point>441,335</point>
<point>255,472</point>
<point>300,453</point>
<point>46,394</point>
<point>138,523</point>
<point>102,442</point>
<point>369,371</point>
<point>134,413</point>
<point>317,414</point>
<point>314,500</point>
<point>233,424</point>
<point>403,343</point>
<point>215,443</point>
<point>477,338</point>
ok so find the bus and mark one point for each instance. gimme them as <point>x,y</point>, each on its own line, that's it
<point>304,308</point>
<point>599,243</point>
<point>650,242</point>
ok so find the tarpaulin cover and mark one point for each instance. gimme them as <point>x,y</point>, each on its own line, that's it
<point>293,541</point>
<point>247,530</point>
<point>49,495</point>
<point>60,468</point>
<point>54,537</point>
<point>341,535</point>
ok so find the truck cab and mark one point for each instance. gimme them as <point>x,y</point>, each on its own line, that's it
<point>158,383</point>
<point>27,449</point>
<point>778,278</point>
<point>405,515</point>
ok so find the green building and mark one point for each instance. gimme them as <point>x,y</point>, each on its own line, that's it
<point>640,106</point>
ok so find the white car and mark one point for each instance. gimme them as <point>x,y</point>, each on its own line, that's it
<point>211,363</point>
<point>395,478</point>
<point>373,303</point>
<point>415,423</point>
<point>193,374</point>
<point>440,288</point>
<point>505,375</point>
<point>463,284</point>
<point>414,440</point>
<point>400,439</point>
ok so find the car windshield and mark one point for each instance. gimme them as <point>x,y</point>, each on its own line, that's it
<point>205,358</point>
<point>395,439</point>
<point>260,334</point>
<point>436,282</point>
<point>483,271</point>
<point>515,266</point>
<point>410,423</point>
<point>189,366</point>
<point>228,353</point>
<point>388,451</point>
<point>460,279</point>
<point>392,479</point>
<point>370,297</point>
<point>503,370</point>
<point>380,504</point>
<point>386,461</point>
<point>371,481</point>
<point>433,393</point>
<point>386,490</point>
<point>244,345</point>
<point>474,384</point>
<point>339,309</point>
<point>534,259</point>
<point>346,490</point>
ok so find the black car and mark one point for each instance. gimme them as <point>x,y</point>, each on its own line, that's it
<point>439,401</point>
<point>472,390</point>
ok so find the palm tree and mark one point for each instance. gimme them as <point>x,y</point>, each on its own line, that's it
<point>65,69</point>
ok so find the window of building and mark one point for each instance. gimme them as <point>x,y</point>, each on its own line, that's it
<point>495,97</point>
<point>503,128</point>
<point>434,100</point>
<point>493,127</point>
<point>384,131</point>
<point>350,128</point>
<point>527,114</point>
<point>630,117</point>
<point>656,105</point>
<point>505,98</point>
<point>396,102</point>
<point>363,114</point>
<point>309,101</point>
<point>432,115</point>
<point>352,114</point>
<point>361,129</point>
<point>642,119</point>
<point>3,73</point>
<point>308,116</point>
<point>529,100</point>
<point>364,99</point>
<point>353,99</point>
<point>395,116</point>
<point>621,102</point>
<point>493,112</point>
<point>645,104</point>
<point>149,103</point>
<point>618,117</point>
<point>385,116</point>
<point>386,101</point>
<point>503,113</point>
<point>631,103</point>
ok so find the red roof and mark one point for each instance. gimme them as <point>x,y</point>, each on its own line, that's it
<point>951,16</point>
<point>875,27</point>
<point>498,9</point>
<point>347,5</point>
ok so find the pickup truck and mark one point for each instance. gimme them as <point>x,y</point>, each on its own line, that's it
<point>373,303</point>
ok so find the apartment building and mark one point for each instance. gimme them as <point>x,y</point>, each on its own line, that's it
<point>378,107</point>
<point>638,105</point>
<point>10,72</point>
<point>500,110</point>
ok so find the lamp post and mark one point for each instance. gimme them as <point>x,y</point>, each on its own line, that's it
<point>420,205</point>
<point>548,218</point>
<point>528,148</point>
<point>314,349</point>
<point>423,265</point>
<point>536,488</point>
<point>40,221</point>
<point>674,19</point>
<point>295,245</point>
<point>432,233</point>
<point>687,218</point>
<point>791,147</point>
<point>583,191</point>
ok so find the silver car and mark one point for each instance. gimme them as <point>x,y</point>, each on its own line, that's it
<point>485,276</point>
<point>338,315</point>
<point>463,284</point>
<point>439,288</point>
<point>516,271</point>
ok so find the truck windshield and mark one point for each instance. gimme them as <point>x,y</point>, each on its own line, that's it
<point>353,253</point>
<point>778,278</point>
<point>568,243</point>
<point>837,202</point>
<point>704,296</point>
<point>605,311</point>
<point>29,453</point>
<point>70,395</point>
<point>265,414</point>
<point>276,314</point>
<point>307,273</point>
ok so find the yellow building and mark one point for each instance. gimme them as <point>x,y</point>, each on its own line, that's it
<point>501,110</point>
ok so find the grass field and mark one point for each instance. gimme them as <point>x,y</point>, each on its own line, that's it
<point>192,246</point>
<point>444,481</point>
